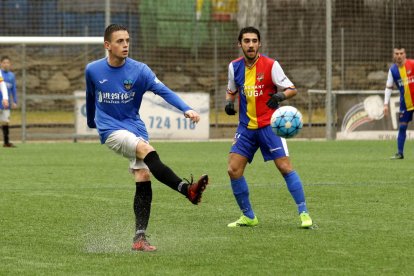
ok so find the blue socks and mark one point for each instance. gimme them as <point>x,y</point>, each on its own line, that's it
<point>402,134</point>
<point>295,188</point>
<point>241,193</point>
<point>294,185</point>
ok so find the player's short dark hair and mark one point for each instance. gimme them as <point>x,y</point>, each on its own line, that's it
<point>4,58</point>
<point>249,29</point>
<point>113,28</point>
<point>399,46</point>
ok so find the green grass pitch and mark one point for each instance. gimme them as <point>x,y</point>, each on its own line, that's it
<point>66,208</point>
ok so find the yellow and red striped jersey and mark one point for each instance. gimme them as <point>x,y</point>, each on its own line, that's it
<point>255,85</point>
<point>404,79</point>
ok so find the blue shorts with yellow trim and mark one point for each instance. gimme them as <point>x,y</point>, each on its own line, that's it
<point>248,141</point>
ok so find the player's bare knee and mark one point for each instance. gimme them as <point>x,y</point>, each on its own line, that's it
<point>142,175</point>
<point>143,149</point>
<point>285,171</point>
<point>283,165</point>
<point>236,165</point>
<point>234,172</point>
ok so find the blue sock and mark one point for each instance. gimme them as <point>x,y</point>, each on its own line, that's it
<point>402,134</point>
<point>241,193</point>
<point>295,188</point>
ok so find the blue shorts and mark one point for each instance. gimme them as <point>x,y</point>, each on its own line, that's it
<point>406,116</point>
<point>247,141</point>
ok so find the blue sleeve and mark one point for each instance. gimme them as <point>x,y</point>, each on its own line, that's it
<point>14,90</point>
<point>160,89</point>
<point>90,100</point>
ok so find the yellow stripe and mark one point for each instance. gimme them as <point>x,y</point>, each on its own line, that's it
<point>407,92</point>
<point>199,6</point>
<point>249,89</point>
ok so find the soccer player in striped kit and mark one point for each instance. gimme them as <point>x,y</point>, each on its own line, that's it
<point>115,86</point>
<point>402,74</point>
<point>260,84</point>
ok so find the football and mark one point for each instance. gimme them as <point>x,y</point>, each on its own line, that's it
<point>286,121</point>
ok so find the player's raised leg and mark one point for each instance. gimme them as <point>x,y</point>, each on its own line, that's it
<point>193,191</point>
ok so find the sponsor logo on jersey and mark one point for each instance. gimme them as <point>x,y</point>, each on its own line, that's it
<point>115,97</point>
<point>405,81</point>
<point>252,90</point>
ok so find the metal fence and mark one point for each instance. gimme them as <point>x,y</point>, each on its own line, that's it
<point>189,44</point>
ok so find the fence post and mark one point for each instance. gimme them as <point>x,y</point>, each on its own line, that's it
<point>216,92</point>
<point>330,127</point>
<point>24,92</point>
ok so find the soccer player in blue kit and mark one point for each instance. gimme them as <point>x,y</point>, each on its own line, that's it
<point>10,81</point>
<point>115,86</point>
<point>4,94</point>
<point>261,85</point>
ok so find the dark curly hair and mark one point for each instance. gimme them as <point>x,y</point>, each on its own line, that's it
<point>249,29</point>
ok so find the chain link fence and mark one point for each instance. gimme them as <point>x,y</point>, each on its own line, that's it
<point>189,43</point>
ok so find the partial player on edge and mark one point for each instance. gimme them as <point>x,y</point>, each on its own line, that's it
<point>402,74</point>
<point>5,113</point>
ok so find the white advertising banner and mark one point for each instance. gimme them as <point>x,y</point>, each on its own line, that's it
<point>364,119</point>
<point>81,127</point>
<point>360,115</point>
<point>162,120</point>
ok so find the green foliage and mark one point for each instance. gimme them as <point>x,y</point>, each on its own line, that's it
<point>67,209</point>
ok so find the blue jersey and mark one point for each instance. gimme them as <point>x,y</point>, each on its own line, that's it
<point>114,96</point>
<point>10,81</point>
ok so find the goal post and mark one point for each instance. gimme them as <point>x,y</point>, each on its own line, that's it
<point>51,69</point>
<point>50,40</point>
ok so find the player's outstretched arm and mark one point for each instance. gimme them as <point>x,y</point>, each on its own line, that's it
<point>193,115</point>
